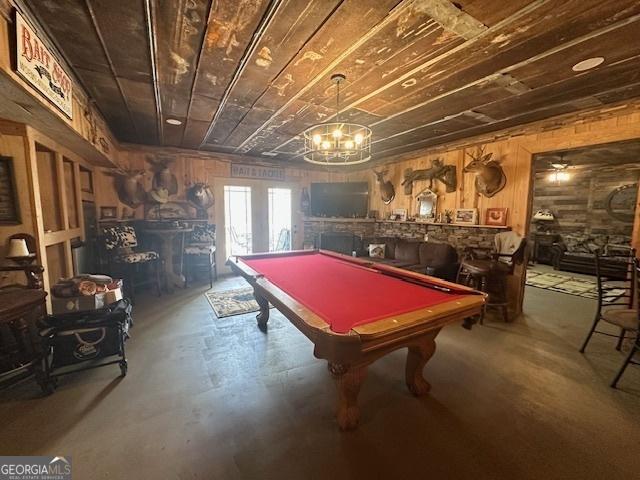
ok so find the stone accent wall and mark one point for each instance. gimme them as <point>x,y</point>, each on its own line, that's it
<point>459,236</point>
<point>362,228</point>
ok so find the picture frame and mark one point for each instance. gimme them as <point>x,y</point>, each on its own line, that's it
<point>496,217</point>
<point>108,213</point>
<point>9,203</point>
<point>400,214</point>
<point>466,216</point>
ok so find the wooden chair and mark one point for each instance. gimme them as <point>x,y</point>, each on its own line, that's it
<point>119,242</point>
<point>489,272</point>
<point>622,312</point>
<point>21,306</point>
<point>201,251</point>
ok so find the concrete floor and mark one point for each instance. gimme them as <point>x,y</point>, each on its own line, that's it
<point>217,399</point>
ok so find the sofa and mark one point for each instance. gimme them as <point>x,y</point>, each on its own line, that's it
<point>576,253</point>
<point>431,258</point>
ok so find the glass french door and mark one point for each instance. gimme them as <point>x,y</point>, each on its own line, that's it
<point>280,221</point>
<point>237,220</point>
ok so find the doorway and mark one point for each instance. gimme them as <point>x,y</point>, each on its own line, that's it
<point>255,216</point>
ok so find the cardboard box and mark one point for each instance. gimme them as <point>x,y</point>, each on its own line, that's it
<point>77,304</point>
<point>112,296</point>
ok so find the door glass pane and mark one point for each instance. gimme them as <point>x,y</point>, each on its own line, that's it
<point>279,219</point>
<point>237,220</point>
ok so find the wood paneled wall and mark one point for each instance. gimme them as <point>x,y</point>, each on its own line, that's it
<point>516,157</point>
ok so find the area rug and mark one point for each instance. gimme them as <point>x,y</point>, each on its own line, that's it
<point>567,284</point>
<point>233,302</point>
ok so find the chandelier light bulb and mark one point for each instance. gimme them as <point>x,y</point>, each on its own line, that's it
<point>326,145</point>
<point>358,138</point>
<point>337,133</point>
<point>317,139</point>
<point>348,145</point>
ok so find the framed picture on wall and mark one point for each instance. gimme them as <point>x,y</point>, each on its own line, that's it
<point>466,216</point>
<point>108,213</point>
<point>9,206</point>
<point>496,216</point>
<point>400,214</point>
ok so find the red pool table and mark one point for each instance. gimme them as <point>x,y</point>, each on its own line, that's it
<point>355,311</point>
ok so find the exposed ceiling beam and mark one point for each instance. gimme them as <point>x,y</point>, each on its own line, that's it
<point>153,51</point>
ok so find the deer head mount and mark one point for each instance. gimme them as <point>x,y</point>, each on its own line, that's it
<point>387,192</point>
<point>129,186</point>
<point>162,176</point>
<point>490,177</point>
<point>438,171</point>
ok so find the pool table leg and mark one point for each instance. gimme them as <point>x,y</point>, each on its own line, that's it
<point>263,315</point>
<point>348,381</point>
<point>417,357</point>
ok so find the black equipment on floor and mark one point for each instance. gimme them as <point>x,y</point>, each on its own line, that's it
<point>83,340</point>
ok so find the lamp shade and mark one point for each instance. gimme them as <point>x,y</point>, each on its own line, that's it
<point>18,248</point>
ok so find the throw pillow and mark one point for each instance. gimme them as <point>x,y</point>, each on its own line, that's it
<point>376,250</point>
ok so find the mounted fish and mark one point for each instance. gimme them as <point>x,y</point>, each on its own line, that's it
<point>387,192</point>
<point>162,176</point>
<point>201,197</point>
<point>490,177</point>
<point>438,171</point>
<point>129,186</point>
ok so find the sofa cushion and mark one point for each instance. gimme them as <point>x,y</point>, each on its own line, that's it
<point>407,251</point>
<point>390,245</point>
<point>435,254</point>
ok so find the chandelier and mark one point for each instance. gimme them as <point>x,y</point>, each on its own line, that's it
<point>337,143</point>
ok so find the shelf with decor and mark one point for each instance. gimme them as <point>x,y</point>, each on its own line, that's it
<point>400,222</point>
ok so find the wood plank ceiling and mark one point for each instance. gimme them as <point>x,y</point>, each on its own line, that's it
<point>248,76</point>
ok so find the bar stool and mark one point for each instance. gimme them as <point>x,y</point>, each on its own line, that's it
<point>489,273</point>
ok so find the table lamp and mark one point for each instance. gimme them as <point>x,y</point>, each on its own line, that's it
<point>19,253</point>
<point>543,219</point>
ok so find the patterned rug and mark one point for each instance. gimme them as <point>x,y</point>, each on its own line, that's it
<point>558,282</point>
<point>233,302</point>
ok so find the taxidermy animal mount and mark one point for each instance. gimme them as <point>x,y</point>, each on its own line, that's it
<point>438,171</point>
<point>129,186</point>
<point>387,192</point>
<point>162,176</point>
<point>201,197</point>
<point>490,177</point>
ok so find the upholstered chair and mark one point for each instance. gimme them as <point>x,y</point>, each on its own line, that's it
<point>201,252</point>
<point>120,243</point>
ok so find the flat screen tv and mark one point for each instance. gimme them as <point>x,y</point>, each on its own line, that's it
<point>350,199</point>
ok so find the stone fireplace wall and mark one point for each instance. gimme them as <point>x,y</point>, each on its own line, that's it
<point>459,236</point>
